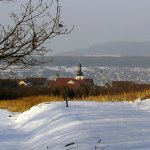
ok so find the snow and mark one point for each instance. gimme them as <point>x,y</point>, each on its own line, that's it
<point>81,126</point>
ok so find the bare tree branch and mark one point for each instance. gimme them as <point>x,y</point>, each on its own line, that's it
<point>26,39</point>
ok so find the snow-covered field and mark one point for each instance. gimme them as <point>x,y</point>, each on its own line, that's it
<point>82,126</point>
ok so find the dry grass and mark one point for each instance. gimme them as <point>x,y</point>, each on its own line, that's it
<point>120,97</point>
<point>23,104</point>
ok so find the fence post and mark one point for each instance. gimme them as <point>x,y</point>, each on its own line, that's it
<point>65,96</point>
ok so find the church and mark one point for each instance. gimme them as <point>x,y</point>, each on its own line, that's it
<point>73,83</point>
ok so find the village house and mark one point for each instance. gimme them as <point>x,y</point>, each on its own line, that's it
<point>72,83</point>
<point>37,82</point>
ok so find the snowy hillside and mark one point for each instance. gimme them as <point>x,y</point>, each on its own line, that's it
<point>82,126</point>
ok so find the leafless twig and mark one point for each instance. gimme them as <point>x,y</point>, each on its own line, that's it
<point>25,40</point>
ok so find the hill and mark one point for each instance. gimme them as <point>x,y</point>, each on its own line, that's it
<point>113,49</point>
<point>82,126</point>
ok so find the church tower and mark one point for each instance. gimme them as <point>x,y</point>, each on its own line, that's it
<point>79,74</point>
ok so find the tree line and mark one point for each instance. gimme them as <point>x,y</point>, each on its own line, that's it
<point>10,89</point>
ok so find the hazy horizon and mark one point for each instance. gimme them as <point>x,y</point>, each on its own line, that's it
<point>96,22</point>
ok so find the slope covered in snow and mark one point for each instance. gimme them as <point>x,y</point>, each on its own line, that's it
<point>82,126</point>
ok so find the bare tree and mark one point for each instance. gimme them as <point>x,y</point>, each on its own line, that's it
<point>26,38</point>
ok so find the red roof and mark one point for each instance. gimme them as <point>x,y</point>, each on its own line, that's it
<point>86,81</point>
<point>68,82</point>
<point>71,82</point>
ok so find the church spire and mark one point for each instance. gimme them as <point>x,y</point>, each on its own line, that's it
<point>79,74</point>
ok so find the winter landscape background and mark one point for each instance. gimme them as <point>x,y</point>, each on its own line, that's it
<point>111,39</point>
<point>101,69</point>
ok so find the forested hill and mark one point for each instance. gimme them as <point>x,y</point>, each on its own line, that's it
<point>113,49</point>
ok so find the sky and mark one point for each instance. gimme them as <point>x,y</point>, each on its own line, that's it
<point>98,21</point>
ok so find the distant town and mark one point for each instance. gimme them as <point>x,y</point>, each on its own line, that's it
<point>84,82</point>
